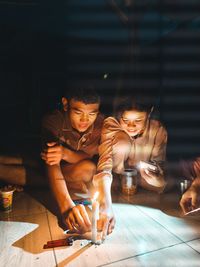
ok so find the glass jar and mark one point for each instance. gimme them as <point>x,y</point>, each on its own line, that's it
<point>129,181</point>
<point>184,185</point>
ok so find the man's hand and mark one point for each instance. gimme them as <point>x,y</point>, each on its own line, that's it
<point>190,199</point>
<point>153,178</point>
<point>106,222</point>
<point>53,154</point>
<point>77,219</point>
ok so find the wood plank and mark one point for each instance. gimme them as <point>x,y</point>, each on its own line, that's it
<point>135,233</point>
<point>176,256</point>
<point>22,237</point>
<point>168,214</point>
<point>147,226</point>
<point>23,204</point>
<point>195,244</point>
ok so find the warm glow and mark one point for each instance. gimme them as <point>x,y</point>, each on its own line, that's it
<point>95,196</point>
<point>141,165</point>
<point>146,165</point>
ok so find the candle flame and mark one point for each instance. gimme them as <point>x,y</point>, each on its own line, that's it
<point>95,195</point>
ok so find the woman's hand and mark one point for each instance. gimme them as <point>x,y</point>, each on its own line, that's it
<point>106,222</point>
<point>153,178</point>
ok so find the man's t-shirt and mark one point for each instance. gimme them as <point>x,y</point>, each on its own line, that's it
<point>56,127</point>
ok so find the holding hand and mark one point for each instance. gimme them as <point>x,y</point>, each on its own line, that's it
<point>77,219</point>
<point>106,222</point>
<point>190,199</point>
<point>53,154</point>
<point>153,178</point>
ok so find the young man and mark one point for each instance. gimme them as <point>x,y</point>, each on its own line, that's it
<point>70,141</point>
<point>71,138</point>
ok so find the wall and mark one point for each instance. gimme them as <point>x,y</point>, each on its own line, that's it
<point>152,46</point>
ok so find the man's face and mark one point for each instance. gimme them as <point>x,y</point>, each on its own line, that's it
<point>133,121</point>
<point>82,115</point>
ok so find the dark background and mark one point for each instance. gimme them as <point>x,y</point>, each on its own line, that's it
<point>152,46</point>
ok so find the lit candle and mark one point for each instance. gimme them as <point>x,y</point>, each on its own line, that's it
<point>95,217</point>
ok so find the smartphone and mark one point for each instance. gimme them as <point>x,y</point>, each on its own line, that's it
<point>149,166</point>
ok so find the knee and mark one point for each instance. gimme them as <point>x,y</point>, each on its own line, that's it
<point>88,170</point>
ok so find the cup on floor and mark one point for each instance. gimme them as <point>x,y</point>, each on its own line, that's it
<point>129,181</point>
<point>184,184</point>
<point>6,199</point>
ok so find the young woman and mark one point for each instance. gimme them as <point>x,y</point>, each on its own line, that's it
<point>130,137</point>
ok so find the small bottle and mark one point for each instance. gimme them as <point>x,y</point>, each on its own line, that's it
<point>184,185</point>
<point>129,181</point>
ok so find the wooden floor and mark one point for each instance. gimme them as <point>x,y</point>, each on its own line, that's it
<point>149,232</point>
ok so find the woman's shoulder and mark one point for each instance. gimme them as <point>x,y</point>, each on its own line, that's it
<point>111,126</point>
<point>157,125</point>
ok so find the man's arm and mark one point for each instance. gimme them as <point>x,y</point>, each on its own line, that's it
<point>54,153</point>
<point>74,156</point>
<point>106,221</point>
<point>75,217</point>
<point>59,188</point>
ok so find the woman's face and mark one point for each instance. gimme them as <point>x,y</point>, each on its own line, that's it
<point>133,121</point>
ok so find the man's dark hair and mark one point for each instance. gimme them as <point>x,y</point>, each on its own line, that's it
<point>87,95</point>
